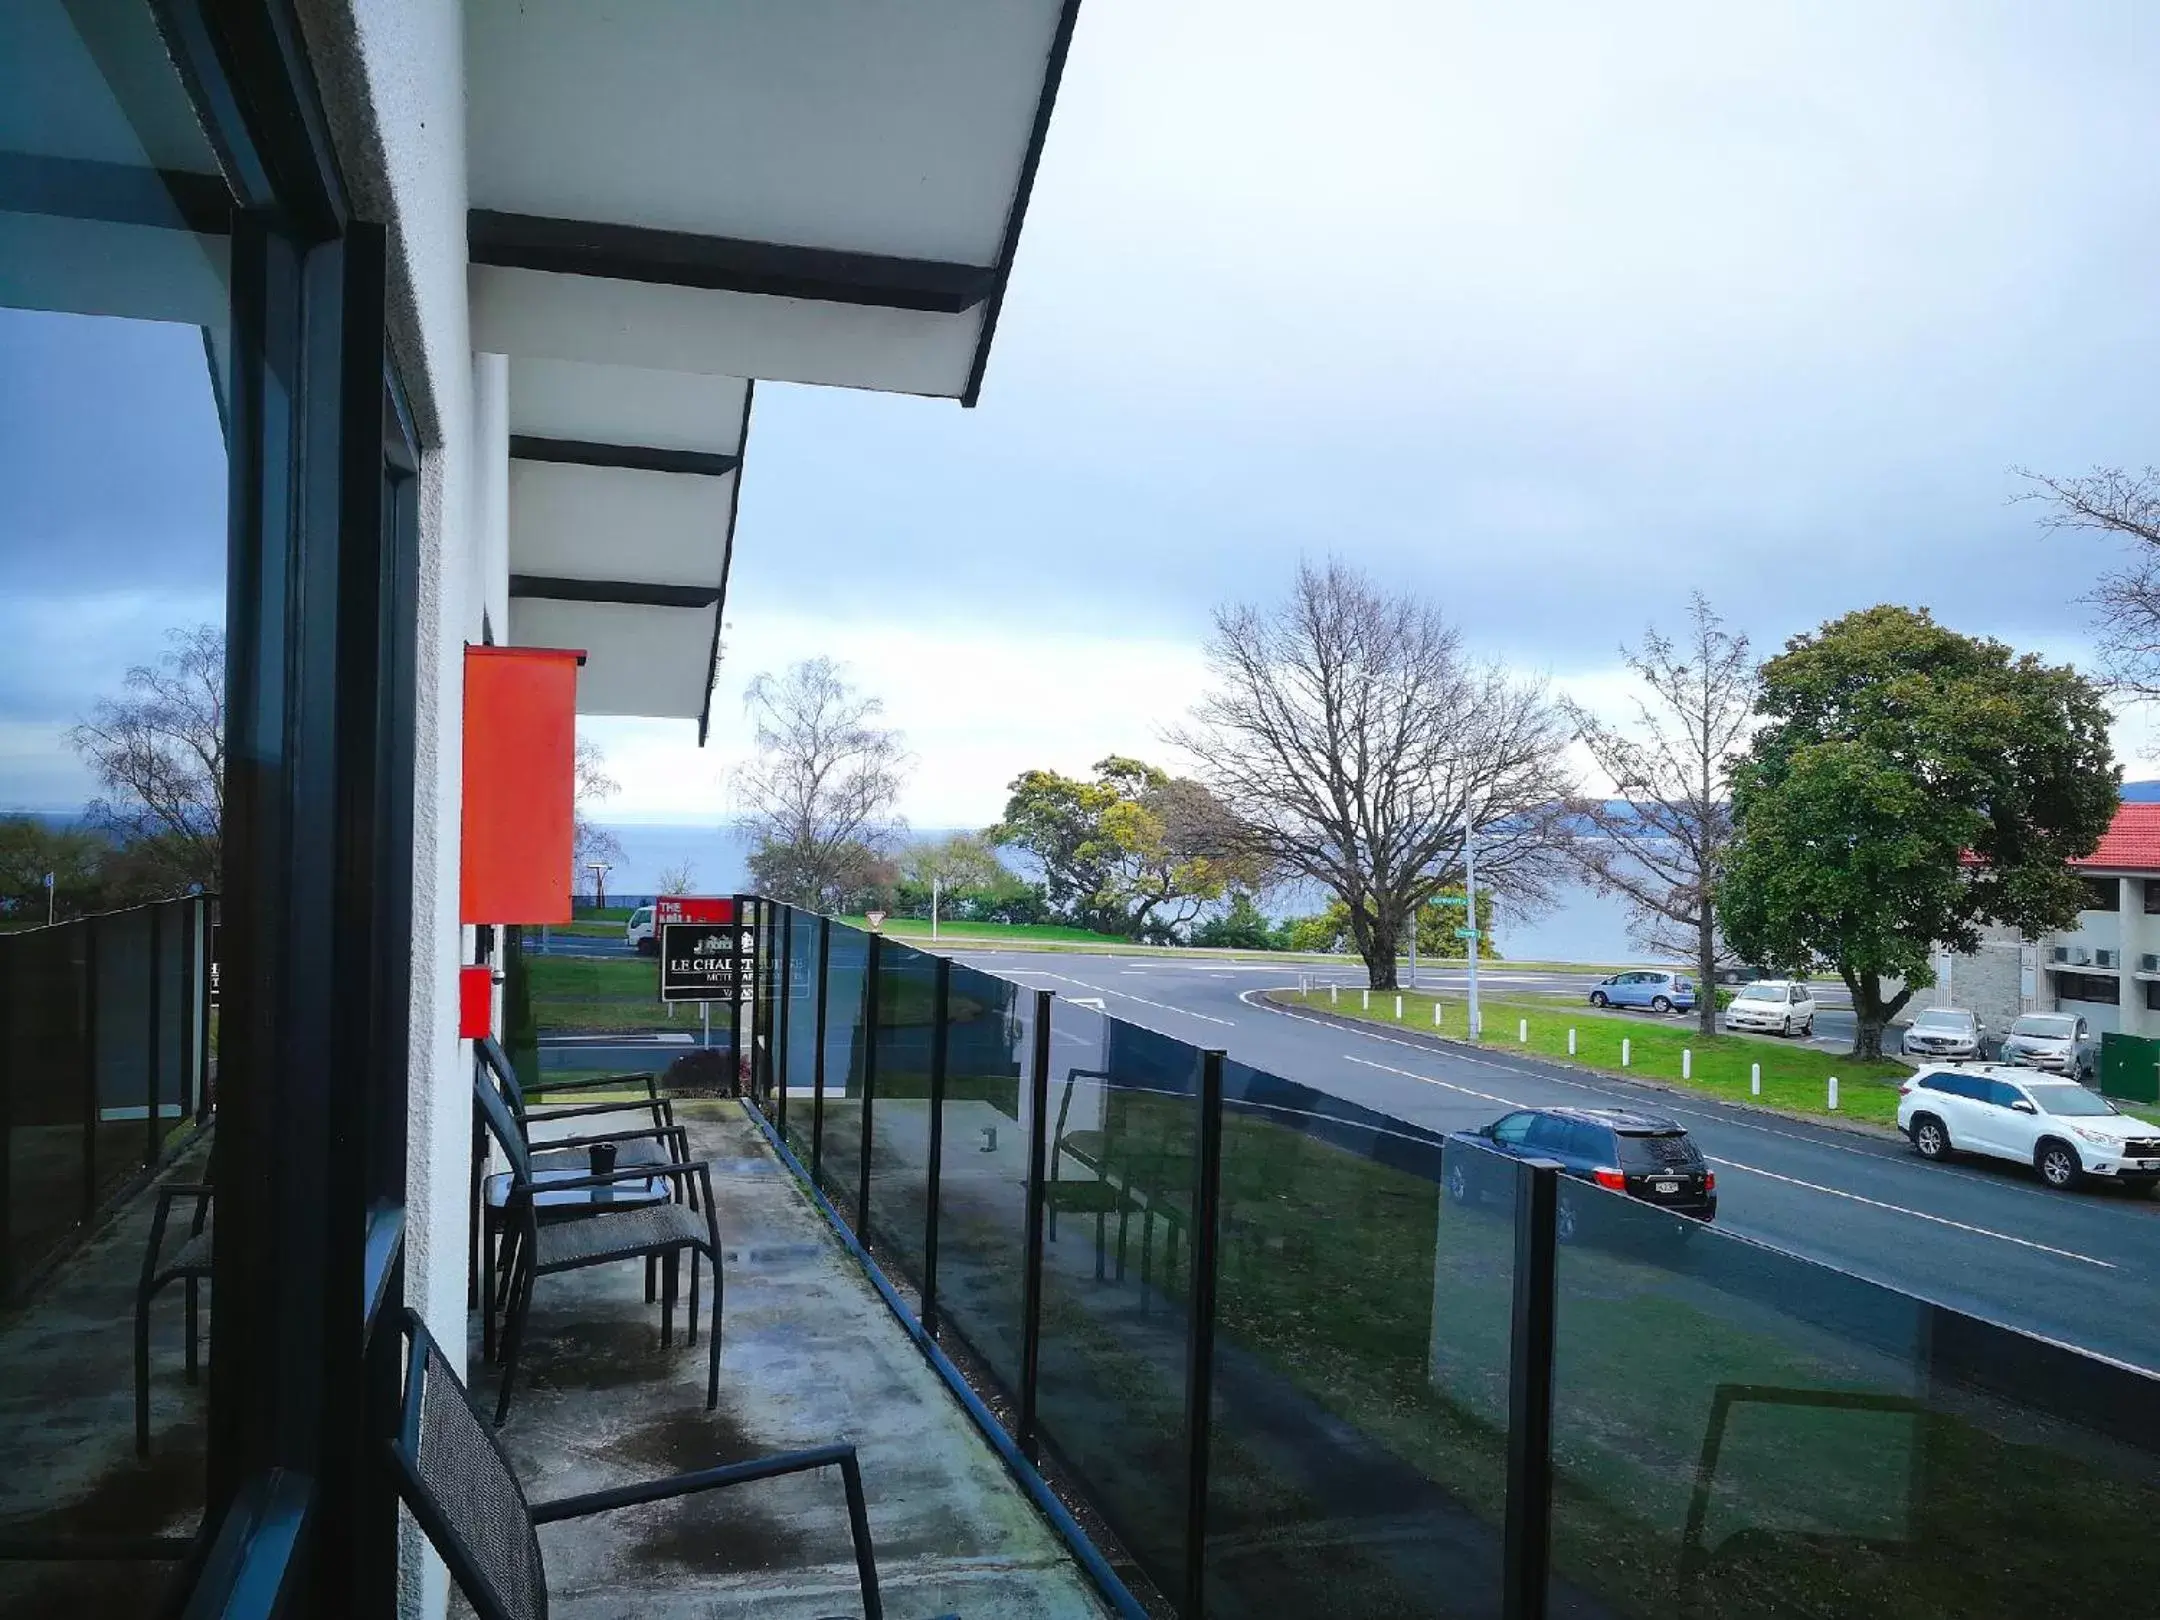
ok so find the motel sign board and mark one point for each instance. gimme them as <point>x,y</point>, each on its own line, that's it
<point>700,947</point>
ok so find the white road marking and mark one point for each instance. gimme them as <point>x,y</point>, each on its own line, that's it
<point>1159,1006</point>
<point>1917,1214</point>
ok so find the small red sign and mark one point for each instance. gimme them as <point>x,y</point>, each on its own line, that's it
<point>680,908</point>
<point>476,1003</point>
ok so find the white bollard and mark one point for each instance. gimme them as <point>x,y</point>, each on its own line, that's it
<point>1436,1013</point>
<point>1331,995</point>
<point>1833,1094</point>
<point>1571,1041</point>
<point>1522,1031</point>
<point>1624,1045</point>
<point>1755,1078</point>
<point>1398,1009</point>
<point>1365,999</point>
<point>1687,1063</point>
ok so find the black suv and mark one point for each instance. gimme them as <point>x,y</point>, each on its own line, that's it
<point>1642,1155</point>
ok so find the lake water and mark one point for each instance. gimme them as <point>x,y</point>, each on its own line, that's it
<point>1582,927</point>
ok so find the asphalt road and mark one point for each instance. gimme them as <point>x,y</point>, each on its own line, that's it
<point>2083,1268</point>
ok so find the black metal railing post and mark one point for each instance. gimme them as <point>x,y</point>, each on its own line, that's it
<point>782,1019</point>
<point>13,948</point>
<point>154,1017</point>
<point>1032,1275</point>
<point>741,904</point>
<point>90,1065</point>
<point>191,1079</point>
<point>1527,1557</point>
<point>768,981</point>
<point>869,1081</point>
<point>817,1058</point>
<point>1200,1338</point>
<point>933,1174</point>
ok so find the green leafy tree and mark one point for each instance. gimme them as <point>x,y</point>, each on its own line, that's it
<point>1135,851</point>
<point>1911,785</point>
<point>1240,926</point>
<point>77,860</point>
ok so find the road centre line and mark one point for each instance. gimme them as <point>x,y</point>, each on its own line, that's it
<point>1918,1215</point>
<point>1794,1181</point>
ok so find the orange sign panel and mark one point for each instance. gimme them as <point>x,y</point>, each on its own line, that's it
<point>520,784</point>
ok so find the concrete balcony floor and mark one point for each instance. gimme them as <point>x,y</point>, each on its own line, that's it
<point>809,1355</point>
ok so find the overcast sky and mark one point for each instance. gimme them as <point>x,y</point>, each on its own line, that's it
<point>1554,312</point>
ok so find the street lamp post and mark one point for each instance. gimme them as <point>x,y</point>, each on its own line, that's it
<point>599,870</point>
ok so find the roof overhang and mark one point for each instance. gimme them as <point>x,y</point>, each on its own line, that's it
<point>674,198</point>
<point>623,489</point>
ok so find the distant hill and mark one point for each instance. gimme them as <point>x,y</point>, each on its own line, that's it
<point>2141,792</point>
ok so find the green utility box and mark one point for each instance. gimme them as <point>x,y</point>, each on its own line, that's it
<point>2130,1068</point>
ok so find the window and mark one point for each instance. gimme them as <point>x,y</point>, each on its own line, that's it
<point>2152,897</point>
<point>2102,894</point>
<point>1513,1129</point>
<point>1970,1087</point>
<point>1549,1135</point>
<point>1799,994</point>
<point>2085,987</point>
<point>2001,1093</point>
<point>1594,1142</point>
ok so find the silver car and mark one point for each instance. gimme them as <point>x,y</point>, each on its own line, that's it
<point>2060,1043</point>
<point>1942,1034</point>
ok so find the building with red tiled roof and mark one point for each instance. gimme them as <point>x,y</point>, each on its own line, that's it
<point>2106,969</point>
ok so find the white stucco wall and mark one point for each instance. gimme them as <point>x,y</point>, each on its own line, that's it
<point>393,81</point>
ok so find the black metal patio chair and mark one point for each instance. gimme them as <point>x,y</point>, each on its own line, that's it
<point>557,1160</point>
<point>455,1477</point>
<point>189,1263</point>
<point>647,1229</point>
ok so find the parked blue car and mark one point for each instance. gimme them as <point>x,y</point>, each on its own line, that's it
<point>1660,992</point>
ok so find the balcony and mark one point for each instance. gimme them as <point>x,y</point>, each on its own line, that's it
<point>1123,1326</point>
<point>810,1356</point>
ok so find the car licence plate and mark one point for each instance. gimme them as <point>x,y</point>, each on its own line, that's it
<point>1665,1186</point>
<point>2149,1164</point>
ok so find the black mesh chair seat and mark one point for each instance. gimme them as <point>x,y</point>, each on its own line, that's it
<point>186,1261</point>
<point>463,1493</point>
<point>566,1245</point>
<point>193,1257</point>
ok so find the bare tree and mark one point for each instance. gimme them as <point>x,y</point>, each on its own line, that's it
<point>681,878</point>
<point>818,798</point>
<point>1661,846</point>
<point>589,841</point>
<point>1355,744</point>
<point>159,753</point>
<point>2126,602</point>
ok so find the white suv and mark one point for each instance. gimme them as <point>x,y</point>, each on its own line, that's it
<point>1780,1006</point>
<point>2055,1125</point>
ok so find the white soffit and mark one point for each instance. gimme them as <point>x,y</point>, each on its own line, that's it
<point>824,191</point>
<point>623,489</point>
<point>638,660</point>
<point>667,410</point>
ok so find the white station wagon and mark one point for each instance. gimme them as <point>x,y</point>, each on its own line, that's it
<point>2063,1130</point>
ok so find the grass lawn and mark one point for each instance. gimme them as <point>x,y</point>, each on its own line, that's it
<point>1794,1078</point>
